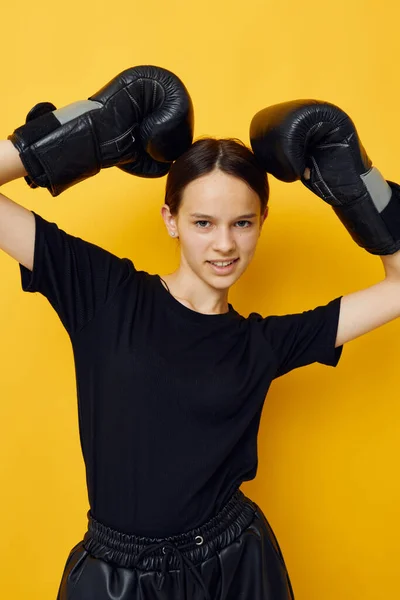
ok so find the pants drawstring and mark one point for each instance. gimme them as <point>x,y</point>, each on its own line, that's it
<point>169,548</point>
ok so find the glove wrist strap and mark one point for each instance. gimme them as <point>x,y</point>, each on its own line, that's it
<point>374,220</point>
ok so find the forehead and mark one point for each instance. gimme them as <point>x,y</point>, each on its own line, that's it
<point>219,191</point>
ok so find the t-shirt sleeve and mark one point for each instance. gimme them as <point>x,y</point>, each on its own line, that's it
<point>76,276</point>
<point>304,338</point>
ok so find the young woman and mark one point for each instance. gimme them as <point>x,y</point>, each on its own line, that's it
<point>171,382</point>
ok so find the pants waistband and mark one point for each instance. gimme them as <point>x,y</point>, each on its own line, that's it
<point>131,551</point>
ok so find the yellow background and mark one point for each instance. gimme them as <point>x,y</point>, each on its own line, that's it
<point>329,438</point>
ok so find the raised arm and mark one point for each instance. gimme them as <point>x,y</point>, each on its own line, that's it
<point>316,142</point>
<point>17,224</point>
<point>141,121</point>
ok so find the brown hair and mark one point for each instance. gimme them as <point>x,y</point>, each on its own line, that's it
<point>230,155</point>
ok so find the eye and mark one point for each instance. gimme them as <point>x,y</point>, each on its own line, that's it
<point>249,224</point>
<point>201,222</point>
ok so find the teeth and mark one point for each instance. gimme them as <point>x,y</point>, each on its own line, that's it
<point>221,264</point>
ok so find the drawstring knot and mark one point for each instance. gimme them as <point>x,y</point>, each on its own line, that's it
<point>186,566</point>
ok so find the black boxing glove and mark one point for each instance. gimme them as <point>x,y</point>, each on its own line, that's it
<point>289,137</point>
<point>141,121</point>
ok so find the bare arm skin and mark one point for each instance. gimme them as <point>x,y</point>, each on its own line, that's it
<point>17,224</point>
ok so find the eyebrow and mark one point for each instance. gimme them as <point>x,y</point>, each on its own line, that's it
<point>202,216</point>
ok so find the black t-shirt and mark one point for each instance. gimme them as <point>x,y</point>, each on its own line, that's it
<point>169,399</point>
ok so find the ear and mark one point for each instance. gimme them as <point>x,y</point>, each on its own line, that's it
<point>169,220</point>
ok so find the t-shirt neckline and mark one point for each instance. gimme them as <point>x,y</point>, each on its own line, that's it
<point>188,313</point>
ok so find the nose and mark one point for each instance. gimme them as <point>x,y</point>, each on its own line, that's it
<point>224,241</point>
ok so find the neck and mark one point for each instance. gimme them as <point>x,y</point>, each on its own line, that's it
<point>191,295</point>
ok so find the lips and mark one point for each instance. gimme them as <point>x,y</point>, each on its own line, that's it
<point>223,270</point>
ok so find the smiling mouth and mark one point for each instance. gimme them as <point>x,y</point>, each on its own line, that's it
<point>223,261</point>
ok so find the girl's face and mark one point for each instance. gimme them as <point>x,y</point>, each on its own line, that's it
<point>219,219</point>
